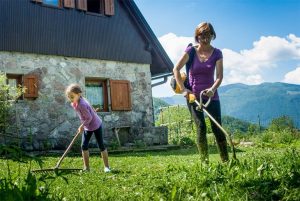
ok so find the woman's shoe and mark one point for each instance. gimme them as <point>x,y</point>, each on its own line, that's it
<point>107,169</point>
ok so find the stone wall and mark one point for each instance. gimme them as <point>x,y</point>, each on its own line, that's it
<point>50,117</point>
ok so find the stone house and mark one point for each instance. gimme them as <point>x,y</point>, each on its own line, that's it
<point>104,45</point>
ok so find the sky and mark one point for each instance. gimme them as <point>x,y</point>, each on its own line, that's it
<point>260,39</point>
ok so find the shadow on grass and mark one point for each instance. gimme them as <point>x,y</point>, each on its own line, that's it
<point>116,171</point>
<point>16,154</point>
<point>184,151</point>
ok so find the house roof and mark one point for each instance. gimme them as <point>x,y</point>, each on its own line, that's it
<point>126,36</point>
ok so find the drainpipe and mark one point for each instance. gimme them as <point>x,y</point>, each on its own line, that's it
<point>164,76</point>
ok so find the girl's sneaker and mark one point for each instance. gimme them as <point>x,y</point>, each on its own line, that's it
<point>107,169</point>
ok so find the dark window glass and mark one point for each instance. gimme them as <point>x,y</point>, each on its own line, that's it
<point>95,6</point>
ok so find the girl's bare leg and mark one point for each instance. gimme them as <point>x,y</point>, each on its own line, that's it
<point>104,155</point>
<point>85,156</point>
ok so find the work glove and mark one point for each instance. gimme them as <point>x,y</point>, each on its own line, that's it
<point>191,97</point>
<point>209,92</point>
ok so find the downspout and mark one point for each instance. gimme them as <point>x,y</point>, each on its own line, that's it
<point>165,76</point>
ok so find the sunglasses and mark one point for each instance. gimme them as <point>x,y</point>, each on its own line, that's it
<point>205,35</point>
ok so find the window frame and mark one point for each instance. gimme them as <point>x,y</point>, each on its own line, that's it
<point>103,81</point>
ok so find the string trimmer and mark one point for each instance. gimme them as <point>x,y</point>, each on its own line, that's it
<point>202,107</point>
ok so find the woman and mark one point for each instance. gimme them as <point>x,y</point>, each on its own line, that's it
<point>207,60</point>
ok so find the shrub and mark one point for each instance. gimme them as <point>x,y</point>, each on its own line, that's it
<point>15,186</point>
<point>8,94</point>
<point>281,123</point>
<point>186,141</point>
<point>285,136</point>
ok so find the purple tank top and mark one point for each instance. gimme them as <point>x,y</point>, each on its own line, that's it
<point>201,74</point>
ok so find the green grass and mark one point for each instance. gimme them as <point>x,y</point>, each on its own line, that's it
<point>261,173</point>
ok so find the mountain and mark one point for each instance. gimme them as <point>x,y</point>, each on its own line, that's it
<point>256,103</point>
<point>175,100</point>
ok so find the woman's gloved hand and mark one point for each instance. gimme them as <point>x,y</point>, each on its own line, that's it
<point>209,92</point>
<point>191,98</point>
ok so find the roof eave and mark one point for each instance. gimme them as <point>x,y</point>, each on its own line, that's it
<point>150,36</point>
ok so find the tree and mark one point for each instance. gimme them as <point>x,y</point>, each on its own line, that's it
<point>281,123</point>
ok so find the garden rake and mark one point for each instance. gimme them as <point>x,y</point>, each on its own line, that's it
<point>202,107</point>
<point>56,168</point>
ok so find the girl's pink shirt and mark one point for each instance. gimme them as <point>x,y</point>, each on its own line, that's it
<point>87,115</point>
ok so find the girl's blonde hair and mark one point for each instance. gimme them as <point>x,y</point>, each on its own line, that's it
<point>73,88</point>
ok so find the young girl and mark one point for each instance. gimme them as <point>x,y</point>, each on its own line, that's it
<point>90,123</point>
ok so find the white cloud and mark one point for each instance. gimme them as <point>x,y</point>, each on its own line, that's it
<point>245,66</point>
<point>293,76</point>
<point>175,45</point>
<point>295,40</point>
<point>238,76</point>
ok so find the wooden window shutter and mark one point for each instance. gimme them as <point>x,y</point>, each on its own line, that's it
<point>120,95</point>
<point>69,3</point>
<point>82,5</point>
<point>31,85</point>
<point>109,7</point>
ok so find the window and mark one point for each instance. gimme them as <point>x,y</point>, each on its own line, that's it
<point>95,6</point>
<point>28,82</point>
<point>14,81</point>
<point>102,7</point>
<point>96,93</point>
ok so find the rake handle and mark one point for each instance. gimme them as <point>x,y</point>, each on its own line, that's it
<point>67,150</point>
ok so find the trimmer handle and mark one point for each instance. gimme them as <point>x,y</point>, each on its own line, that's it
<point>201,101</point>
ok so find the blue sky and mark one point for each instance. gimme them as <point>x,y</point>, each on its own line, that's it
<point>260,39</point>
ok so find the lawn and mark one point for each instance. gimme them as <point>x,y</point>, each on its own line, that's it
<point>261,173</point>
